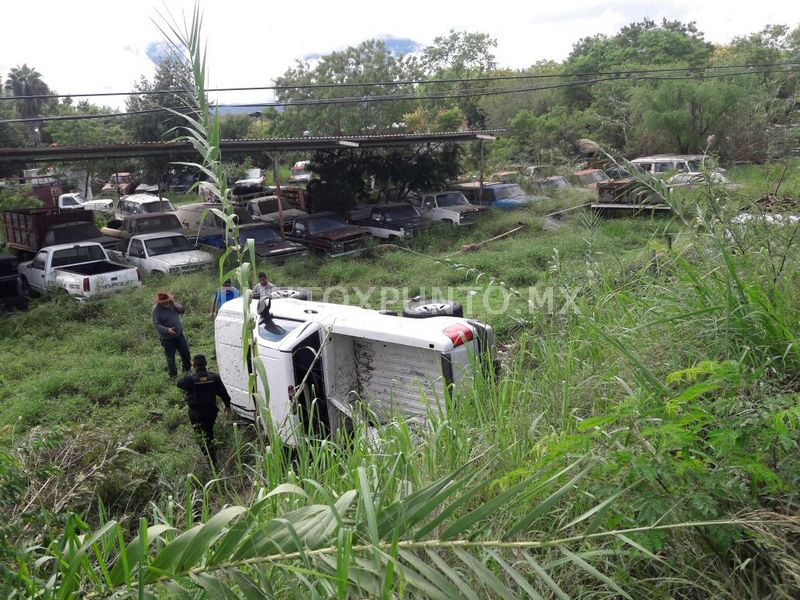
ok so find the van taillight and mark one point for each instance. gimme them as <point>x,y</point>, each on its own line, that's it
<point>85,284</point>
<point>458,334</point>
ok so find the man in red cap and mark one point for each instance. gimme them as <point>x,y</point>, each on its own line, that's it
<point>167,321</point>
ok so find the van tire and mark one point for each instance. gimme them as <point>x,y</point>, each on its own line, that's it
<point>423,309</point>
<point>295,293</point>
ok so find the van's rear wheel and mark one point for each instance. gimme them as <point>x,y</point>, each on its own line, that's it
<point>291,292</point>
<point>423,309</point>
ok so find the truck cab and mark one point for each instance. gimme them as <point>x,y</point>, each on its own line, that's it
<point>328,232</point>
<point>164,253</point>
<point>389,220</point>
<point>448,207</point>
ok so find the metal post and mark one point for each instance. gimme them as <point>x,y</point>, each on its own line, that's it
<point>276,174</point>
<point>480,181</point>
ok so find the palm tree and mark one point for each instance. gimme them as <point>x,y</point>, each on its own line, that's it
<point>25,81</point>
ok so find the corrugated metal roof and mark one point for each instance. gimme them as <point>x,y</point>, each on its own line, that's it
<point>173,149</point>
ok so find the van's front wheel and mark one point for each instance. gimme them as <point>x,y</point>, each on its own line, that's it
<point>423,309</point>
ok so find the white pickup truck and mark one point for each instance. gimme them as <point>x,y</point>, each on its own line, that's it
<point>448,207</point>
<point>163,253</point>
<point>329,364</point>
<point>82,269</point>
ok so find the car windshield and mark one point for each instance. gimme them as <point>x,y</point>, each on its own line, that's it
<point>168,245</point>
<point>121,179</point>
<point>555,182</point>
<point>158,223</point>
<point>695,165</point>
<point>325,224</point>
<point>451,199</point>
<point>259,235</point>
<point>156,207</point>
<point>595,177</point>
<point>77,254</point>
<point>72,201</point>
<point>511,191</point>
<point>399,213</point>
<point>270,205</point>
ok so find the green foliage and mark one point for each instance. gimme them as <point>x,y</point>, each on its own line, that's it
<point>86,132</point>
<point>18,197</point>
<point>235,127</point>
<point>370,61</point>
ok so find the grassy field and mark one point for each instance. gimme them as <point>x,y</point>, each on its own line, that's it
<point>674,384</point>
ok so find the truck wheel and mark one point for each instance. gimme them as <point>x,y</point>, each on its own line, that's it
<point>422,309</point>
<point>292,292</point>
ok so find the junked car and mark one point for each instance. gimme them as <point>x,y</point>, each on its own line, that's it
<point>209,230</point>
<point>84,270</point>
<point>328,365</point>
<point>120,183</point>
<point>142,204</point>
<point>328,232</point>
<point>661,164</point>
<point>388,221</point>
<point>268,243</point>
<point>270,209</point>
<point>691,179</point>
<point>300,172</point>
<point>506,196</point>
<point>138,224</point>
<point>448,207</point>
<point>163,253</point>
<point>591,178</point>
<point>553,183</point>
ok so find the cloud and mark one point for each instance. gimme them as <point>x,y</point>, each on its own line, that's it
<point>156,52</point>
<point>401,46</point>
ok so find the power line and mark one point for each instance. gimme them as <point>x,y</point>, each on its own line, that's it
<point>389,98</point>
<point>311,86</point>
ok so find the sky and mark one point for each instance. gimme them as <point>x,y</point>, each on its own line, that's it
<point>101,46</point>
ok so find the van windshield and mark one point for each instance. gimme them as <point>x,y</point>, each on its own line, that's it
<point>278,329</point>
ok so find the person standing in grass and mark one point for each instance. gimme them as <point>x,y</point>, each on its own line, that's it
<point>263,288</point>
<point>202,388</point>
<point>222,295</point>
<point>167,321</point>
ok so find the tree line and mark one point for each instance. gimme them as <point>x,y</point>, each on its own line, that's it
<point>750,117</point>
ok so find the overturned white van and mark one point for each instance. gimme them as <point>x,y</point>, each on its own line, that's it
<point>326,363</point>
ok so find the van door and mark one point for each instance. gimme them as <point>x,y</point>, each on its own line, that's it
<point>310,398</point>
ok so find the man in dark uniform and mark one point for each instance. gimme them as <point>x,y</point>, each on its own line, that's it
<point>202,388</point>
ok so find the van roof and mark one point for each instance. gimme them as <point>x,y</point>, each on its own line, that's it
<point>356,322</point>
<point>142,198</point>
<point>668,157</point>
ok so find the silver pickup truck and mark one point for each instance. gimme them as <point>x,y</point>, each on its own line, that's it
<point>82,269</point>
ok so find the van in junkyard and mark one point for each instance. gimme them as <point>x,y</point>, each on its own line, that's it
<point>330,365</point>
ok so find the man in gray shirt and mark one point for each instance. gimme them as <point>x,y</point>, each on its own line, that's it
<point>167,321</point>
<point>263,289</point>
